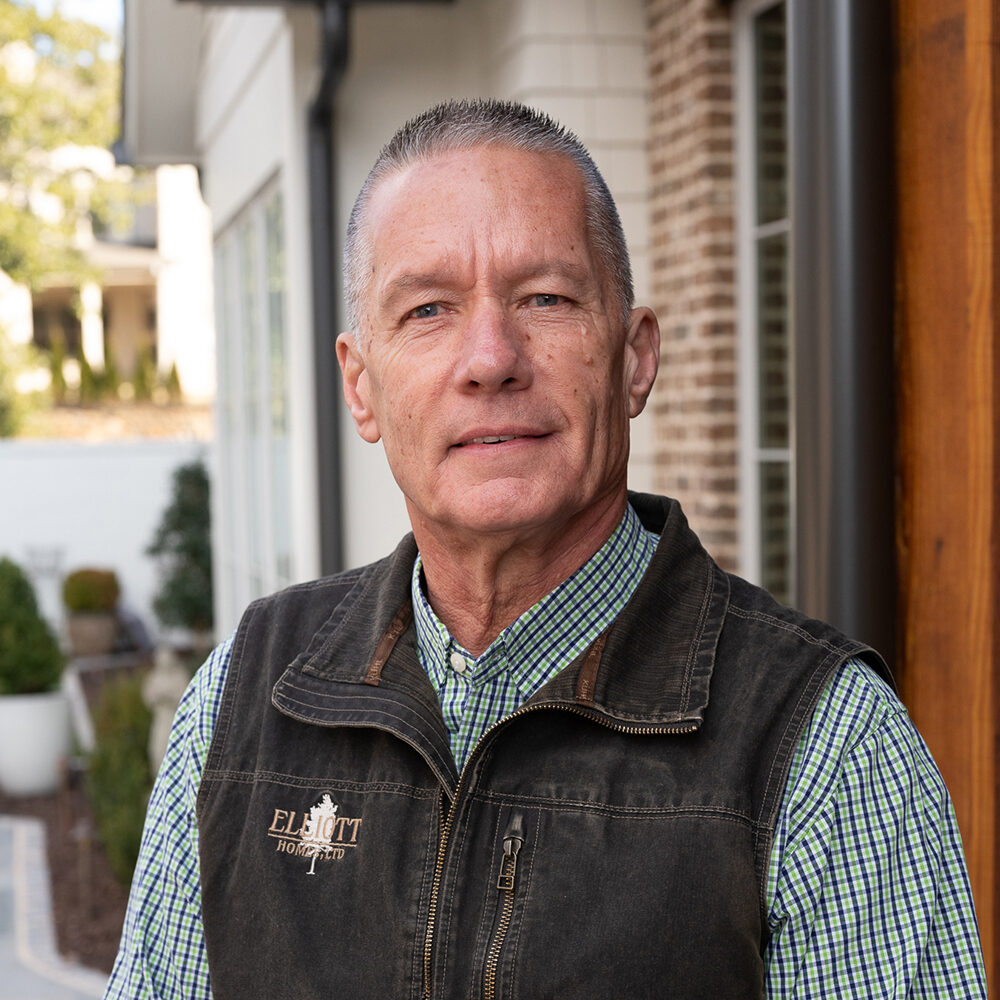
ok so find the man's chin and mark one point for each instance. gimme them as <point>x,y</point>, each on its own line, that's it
<point>495,509</point>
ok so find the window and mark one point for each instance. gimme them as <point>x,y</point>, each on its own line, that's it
<point>254,486</point>
<point>767,474</point>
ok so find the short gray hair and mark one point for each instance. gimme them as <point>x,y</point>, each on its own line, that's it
<point>470,124</point>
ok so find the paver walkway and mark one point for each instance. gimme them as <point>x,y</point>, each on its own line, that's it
<point>30,967</point>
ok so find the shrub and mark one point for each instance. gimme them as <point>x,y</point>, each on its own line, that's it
<point>183,545</point>
<point>30,660</point>
<point>173,384</point>
<point>144,378</point>
<point>57,358</point>
<point>90,389</point>
<point>91,590</point>
<point>110,380</point>
<point>118,781</point>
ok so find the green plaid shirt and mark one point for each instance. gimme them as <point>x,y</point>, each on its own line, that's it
<point>867,889</point>
<point>477,692</point>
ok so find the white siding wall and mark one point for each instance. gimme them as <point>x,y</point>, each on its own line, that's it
<point>72,505</point>
<point>256,75</point>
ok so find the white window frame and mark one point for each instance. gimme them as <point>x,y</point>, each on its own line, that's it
<point>749,235</point>
<point>247,545</point>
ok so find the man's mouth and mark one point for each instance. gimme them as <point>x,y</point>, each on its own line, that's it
<point>490,440</point>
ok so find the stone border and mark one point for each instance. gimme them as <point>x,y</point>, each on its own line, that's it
<point>34,932</point>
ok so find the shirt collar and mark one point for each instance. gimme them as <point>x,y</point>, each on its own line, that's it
<point>552,632</point>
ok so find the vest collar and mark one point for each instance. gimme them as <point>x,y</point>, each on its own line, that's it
<point>652,668</point>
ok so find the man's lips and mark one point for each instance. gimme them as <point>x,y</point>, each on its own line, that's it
<point>498,438</point>
<point>490,439</point>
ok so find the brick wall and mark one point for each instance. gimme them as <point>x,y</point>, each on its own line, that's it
<point>692,138</point>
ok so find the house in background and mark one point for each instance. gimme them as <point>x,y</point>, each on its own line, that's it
<point>809,191</point>
<point>146,297</point>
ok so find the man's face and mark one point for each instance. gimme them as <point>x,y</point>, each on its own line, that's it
<point>493,363</point>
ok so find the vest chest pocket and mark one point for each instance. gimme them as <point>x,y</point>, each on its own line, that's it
<point>316,891</point>
<point>590,904</point>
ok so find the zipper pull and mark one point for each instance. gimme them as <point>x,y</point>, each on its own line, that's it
<point>512,841</point>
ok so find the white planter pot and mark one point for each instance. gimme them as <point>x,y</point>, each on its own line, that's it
<point>34,742</point>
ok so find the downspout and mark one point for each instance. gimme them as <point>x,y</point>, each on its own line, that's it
<point>842,266</point>
<point>335,42</point>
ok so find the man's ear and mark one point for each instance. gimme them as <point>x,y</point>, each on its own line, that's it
<point>357,390</point>
<point>642,357</point>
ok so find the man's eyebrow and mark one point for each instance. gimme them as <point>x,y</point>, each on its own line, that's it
<point>556,268</point>
<point>406,283</point>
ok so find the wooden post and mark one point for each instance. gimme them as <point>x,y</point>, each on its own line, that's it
<point>947,140</point>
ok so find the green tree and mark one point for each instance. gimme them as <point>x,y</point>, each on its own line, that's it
<point>182,543</point>
<point>59,87</point>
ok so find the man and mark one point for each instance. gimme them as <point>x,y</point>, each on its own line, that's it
<point>547,748</point>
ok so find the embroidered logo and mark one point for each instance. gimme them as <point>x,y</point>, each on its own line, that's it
<point>323,835</point>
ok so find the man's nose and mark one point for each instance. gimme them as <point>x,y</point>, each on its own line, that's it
<point>493,353</point>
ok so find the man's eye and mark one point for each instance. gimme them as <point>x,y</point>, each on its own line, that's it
<point>426,311</point>
<point>547,299</point>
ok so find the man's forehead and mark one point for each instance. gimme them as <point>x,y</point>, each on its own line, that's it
<point>514,210</point>
<point>434,179</point>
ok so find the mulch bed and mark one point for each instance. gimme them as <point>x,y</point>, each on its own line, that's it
<point>88,902</point>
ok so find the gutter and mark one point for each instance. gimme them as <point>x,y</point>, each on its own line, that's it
<point>334,15</point>
<point>842,291</point>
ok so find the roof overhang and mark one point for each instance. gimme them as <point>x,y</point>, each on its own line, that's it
<point>159,82</point>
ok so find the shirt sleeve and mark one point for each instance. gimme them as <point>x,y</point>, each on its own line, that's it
<point>162,951</point>
<point>868,891</point>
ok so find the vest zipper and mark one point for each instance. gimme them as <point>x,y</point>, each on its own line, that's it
<point>652,729</point>
<point>512,841</point>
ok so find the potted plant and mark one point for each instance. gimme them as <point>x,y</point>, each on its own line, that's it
<point>34,713</point>
<point>91,596</point>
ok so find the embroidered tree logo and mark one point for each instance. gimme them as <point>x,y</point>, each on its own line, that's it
<point>317,834</point>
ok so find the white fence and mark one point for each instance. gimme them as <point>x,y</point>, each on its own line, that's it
<point>68,504</point>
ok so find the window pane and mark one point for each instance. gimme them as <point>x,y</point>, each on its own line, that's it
<point>771,109</point>
<point>249,345</point>
<point>274,236</point>
<point>278,381</point>
<point>774,377</point>
<point>776,530</point>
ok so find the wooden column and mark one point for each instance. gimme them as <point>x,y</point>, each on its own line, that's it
<point>947,130</point>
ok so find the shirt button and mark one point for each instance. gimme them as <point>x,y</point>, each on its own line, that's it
<point>459,662</point>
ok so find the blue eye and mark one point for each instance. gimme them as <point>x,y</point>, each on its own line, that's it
<point>547,299</point>
<point>426,311</point>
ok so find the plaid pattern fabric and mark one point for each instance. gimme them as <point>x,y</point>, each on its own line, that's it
<point>867,888</point>
<point>868,891</point>
<point>476,692</point>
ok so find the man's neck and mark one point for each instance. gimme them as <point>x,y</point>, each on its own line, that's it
<point>477,587</point>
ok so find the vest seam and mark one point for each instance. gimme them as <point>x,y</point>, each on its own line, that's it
<point>625,812</point>
<point>371,724</point>
<point>692,658</point>
<point>848,648</point>
<point>384,693</point>
<point>781,762</point>
<point>220,731</point>
<point>310,781</point>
